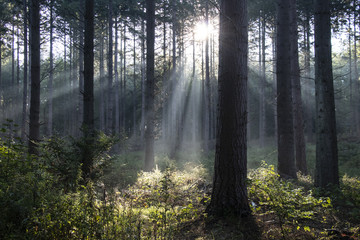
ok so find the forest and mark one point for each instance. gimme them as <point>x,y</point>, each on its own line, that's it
<point>179,119</point>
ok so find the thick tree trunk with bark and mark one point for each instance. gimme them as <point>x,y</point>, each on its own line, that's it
<point>229,195</point>
<point>150,85</point>
<point>300,151</point>
<point>326,171</point>
<point>34,125</point>
<point>286,160</point>
<point>88,118</point>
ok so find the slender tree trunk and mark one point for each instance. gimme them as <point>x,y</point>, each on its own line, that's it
<point>207,84</point>
<point>134,83</point>
<point>309,111</point>
<point>117,114</point>
<point>165,104</point>
<point>326,171</point>
<point>262,116</point>
<point>142,127</point>
<point>13,53</point>
<point>229,194</point>
<point>88,118</point>
<point>102,88</point>
<point>81,65</point>
<point>194,119</point>
<point>25,81</point>
<point>18,61</point>
<point>110,74</point>
<point>351,101</point>
<point>34,125</point>
<point>286,160</point>
<point>51,75</point>
<point>150,85</point>
<point>356,77</point>
<point>124,83</point>
<point>300,147</point>
<point>274,84</point>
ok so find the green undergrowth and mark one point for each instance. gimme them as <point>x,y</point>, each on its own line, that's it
<point>46,198</point>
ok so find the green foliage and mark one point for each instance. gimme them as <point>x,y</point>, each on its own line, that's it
<point>22,181</point>
<point>81,215</point>
<point>271,195</point>
<point>168,199</point>
<point>63,158</point>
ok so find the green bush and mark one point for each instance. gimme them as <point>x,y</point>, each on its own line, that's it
<point>291,204</point>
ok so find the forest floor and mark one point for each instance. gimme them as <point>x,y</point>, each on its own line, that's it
<point>44,198</point>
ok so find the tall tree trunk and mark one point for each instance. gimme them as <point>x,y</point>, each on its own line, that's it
<point>229,194</point>
<point>150,85</point>
<point>165,103</point>
<point>34,125</point>
<point>25,81</point>
<point>124,105</point>
<point>110,73</point>
<point>81,65</point>
<point>286,160</point>
<point>194,110</point>
<point>326,171</point>
<point>51,75</point>
<point>273,40</point>
<point>88,118</point>
<point>134,83</point>
<point>300,151</point>
<point>18,62</point>
<point>117,114</point>
<point>13,52</point>
<point>356,77</point>
<point>207,83</point>
<point>262,116</point>
<point>309,110</point>
<point>351,101</point>
<point>142,127</point>
<point>102,88</point>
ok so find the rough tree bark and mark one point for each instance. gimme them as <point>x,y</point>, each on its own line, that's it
<point>150,85</point>
<point>326,171</point>
<point>229,195</point>
<point>88,118</point>
<point>34,125</point>
<point>300,153</point>
<point>286,159</point>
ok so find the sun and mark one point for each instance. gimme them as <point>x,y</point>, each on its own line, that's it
<point>202,31</point>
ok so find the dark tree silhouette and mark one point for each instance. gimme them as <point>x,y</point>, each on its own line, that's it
<point>286,159</point>
<point>88,118</point>
<point>326,171</point>
<point>34,125</point>
<point>150,85</point>
<point>229,195</point>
